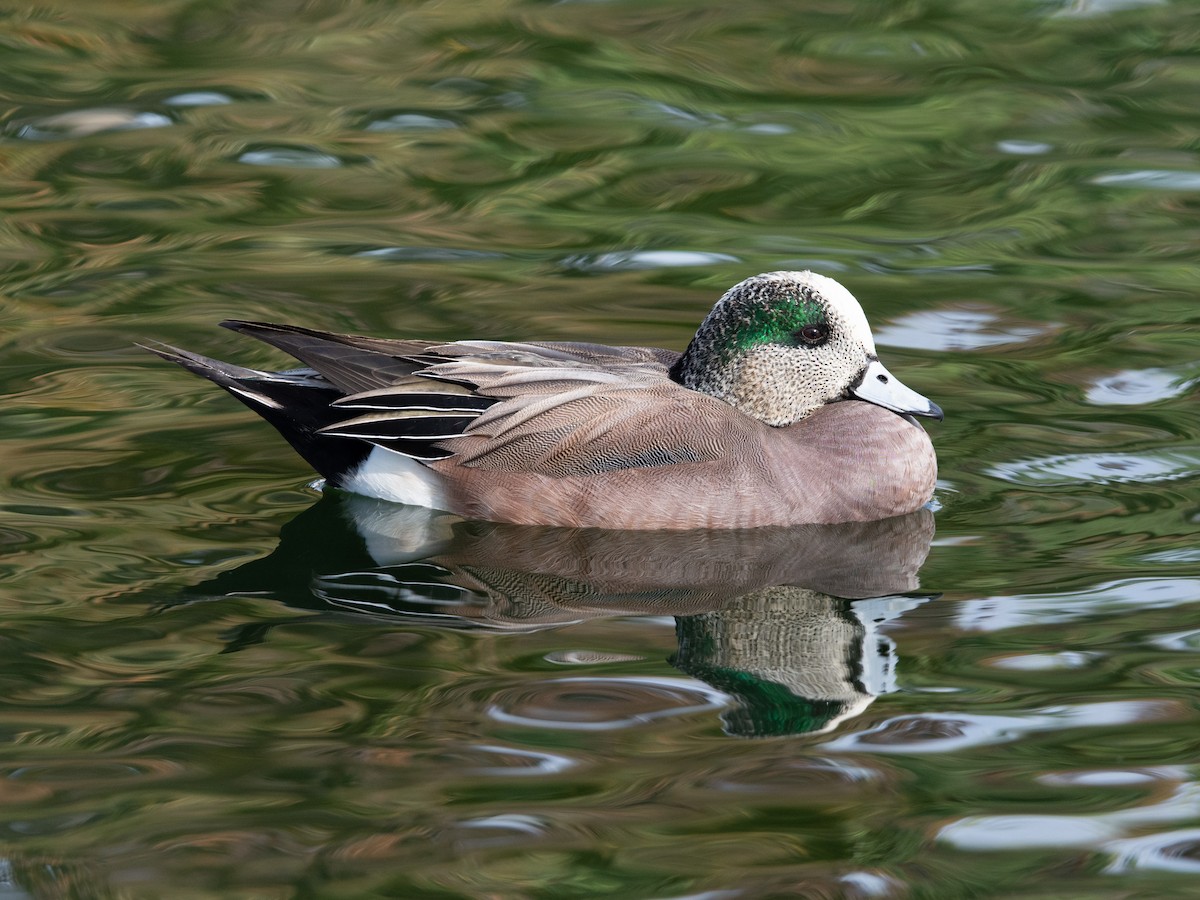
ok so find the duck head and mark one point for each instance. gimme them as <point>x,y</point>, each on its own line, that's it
<point>779,346</point>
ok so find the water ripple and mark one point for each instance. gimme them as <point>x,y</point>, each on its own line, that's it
<point>634,260</point>
<point>991,833</point>
<point>500,829</point>
<point>1185,555</point>
<point>1175,851</point>
<point>1114,777</point>
<point>589,657</point>
<point>427,254</point>
<point>1016,832</point>
<point>1024,148</point>
<point>1185,641</point>
<point>522,762</point>
<point>794,776</point>
<point>412,122</point>
<point>873,884</point>
<point>1146,467</point>
<point>83,122</point>
<point>1152,179</point>
<point>1086,9</point>
<point>602,704</point>
<point>291,158</point>
<point>1047,662</point>
<point>1019,611</point>
<point>952,329</point>
<point>952,732</point>
<point>199,98</point>
<point>1133,387</point>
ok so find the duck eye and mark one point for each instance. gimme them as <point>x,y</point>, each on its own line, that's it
<point>813,334</point>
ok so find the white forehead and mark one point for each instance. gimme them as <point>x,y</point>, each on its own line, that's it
<point>840,301</point>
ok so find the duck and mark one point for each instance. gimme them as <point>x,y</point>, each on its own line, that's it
<point>778,412</point>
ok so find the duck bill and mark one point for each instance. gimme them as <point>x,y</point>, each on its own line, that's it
<point>881,387</point>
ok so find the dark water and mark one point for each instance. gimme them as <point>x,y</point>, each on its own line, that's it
<point>215,685</point>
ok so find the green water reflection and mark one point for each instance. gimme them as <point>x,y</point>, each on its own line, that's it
<point>213,690</point>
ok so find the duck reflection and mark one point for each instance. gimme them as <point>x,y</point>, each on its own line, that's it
<point>797,661</point>
<point>784,620</point>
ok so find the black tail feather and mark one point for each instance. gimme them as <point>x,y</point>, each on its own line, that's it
<point>297,404</point>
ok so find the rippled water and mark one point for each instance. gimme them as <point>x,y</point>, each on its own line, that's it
<point>217,685</point>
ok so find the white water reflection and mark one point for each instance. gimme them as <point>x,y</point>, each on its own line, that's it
<point>1175,851</point>
<point>412,122</point>
<point>83,122</point>
<point>1152,179</point>
<point>1151,466</point>
<point>1024,148</point>
<point>1019,611</point>
<point>1091,8</point>
<point>527,762</point>
<point>952,329</point>
<point>1170,557</point>
<point>1133,387</point>
<point>635,260</point>
<point>199,98</point>
<point>872,884</point>
<point>1114,777</point>
<point>1183,641</point>
<point>952,732</point>
<point>508,822</point>
<point>290,158</point>
<point>428,254</point>
<point>989,833</point>
<point>1047,662</point>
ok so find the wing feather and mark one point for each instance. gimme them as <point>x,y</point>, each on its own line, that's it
<point>593,432</point>
<point>559,409</point>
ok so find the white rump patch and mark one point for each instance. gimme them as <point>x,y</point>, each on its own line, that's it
<point>398,479</point>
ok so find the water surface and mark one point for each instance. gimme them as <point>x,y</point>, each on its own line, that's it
<point>217,685</point>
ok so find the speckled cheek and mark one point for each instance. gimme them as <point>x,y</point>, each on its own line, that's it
<point>773,386</point>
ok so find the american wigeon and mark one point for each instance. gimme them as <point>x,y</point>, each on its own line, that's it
<point>778,412</point>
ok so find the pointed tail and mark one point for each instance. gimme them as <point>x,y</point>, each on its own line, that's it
<point>296,403</point>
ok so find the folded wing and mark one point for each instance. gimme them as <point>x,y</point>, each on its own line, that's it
<point>558,409</point>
